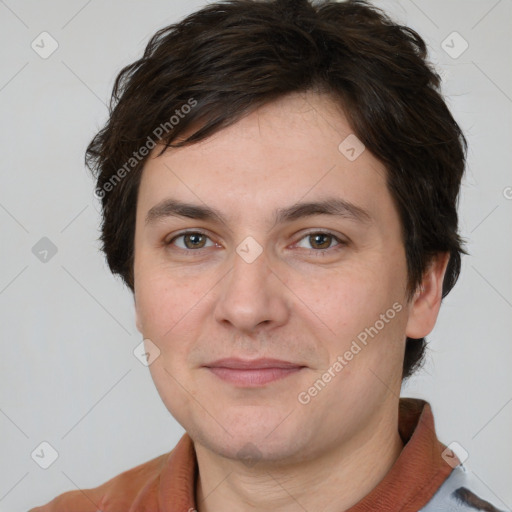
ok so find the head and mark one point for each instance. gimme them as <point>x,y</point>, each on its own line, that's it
<point>243,110</point>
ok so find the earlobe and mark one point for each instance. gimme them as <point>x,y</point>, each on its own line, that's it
<point>424,307</point>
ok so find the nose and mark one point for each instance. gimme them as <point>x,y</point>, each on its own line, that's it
<point>252,296</point>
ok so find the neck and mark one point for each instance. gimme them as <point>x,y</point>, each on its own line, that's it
<point>332,482</point>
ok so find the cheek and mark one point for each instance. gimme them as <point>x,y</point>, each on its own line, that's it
<point>345,298</point>
<point>162,300</point>
<point>358,302</point>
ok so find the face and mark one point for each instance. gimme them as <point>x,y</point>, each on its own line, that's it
<point>261,278</point>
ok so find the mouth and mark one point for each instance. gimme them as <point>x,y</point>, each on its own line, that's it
<point>245,373</point>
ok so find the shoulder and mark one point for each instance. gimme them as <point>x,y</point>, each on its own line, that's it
<point>115,495</point>
<point>458,494</point>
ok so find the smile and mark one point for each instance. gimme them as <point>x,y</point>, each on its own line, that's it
<point>253,377</point>
<point>252,373</point>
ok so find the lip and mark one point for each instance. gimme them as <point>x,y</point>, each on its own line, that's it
<point>252,364</point>
<point>252,373</point>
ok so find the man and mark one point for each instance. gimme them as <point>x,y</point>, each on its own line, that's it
<point>279,183</point>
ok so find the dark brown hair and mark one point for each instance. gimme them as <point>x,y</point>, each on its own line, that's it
<point>227,59</point>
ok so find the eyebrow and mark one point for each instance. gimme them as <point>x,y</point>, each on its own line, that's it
<point>330,206</point>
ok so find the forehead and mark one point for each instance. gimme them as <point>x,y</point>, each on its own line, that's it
<point>290,150</point>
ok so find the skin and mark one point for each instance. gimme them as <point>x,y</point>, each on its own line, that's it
<point>291,303</point>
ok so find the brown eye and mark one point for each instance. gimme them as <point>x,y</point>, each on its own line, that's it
<point>191,240</point>
<point>322,241</point>
<point>194,240</point>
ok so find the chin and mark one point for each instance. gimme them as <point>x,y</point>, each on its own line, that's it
<point>253,452</point>
<point>254,443</point>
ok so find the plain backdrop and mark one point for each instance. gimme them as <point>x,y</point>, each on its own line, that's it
<point>68,374</point>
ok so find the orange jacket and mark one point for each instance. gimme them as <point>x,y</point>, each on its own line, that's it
<point>167,483</point>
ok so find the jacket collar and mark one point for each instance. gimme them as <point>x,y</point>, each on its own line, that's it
<point>407,487</point>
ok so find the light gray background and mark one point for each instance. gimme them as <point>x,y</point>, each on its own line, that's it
<point>68,374</point>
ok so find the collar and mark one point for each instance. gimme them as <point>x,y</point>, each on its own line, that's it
<point>407,487</point>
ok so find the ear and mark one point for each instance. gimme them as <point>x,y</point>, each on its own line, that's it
<point>424,307</point>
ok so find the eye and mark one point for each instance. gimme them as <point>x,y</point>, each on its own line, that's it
<point>321,241</point>
<point>192,240</point>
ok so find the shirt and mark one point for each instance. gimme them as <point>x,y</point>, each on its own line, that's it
<point>426,477</point>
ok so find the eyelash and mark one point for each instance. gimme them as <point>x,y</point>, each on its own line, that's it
<point>341,243</point>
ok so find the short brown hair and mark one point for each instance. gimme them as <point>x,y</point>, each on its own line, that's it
<point>231,57</point>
